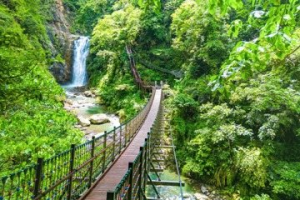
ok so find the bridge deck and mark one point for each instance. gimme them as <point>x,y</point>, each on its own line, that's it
<point>112,178</point>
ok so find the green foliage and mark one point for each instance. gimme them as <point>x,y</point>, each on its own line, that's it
<point>185,104</point>
<point>33,122</point>
<point>252,167</point>
<point>116,30</point>
<point>275,22</point>
<point>261,197</point>
<point>86,13</point>
<point>199,37</point>
<point>246,118</point>
<point>121,96</point>
<point>285,180</point>
<point>150,5</point>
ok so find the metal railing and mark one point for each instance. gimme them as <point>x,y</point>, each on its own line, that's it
<point>70,174</point>
<point>133,183</point>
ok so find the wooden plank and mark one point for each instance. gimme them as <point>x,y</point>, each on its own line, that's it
<point>167,183</point>
<point>157,160</point>
<point>157,170</point>
<point>163,147</point>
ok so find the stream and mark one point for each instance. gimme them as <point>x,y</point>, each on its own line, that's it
<point>84,108</point>
<point>82,102</point>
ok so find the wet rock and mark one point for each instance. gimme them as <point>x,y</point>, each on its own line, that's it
<point>204,190</point>
<point>75,105</point>
<point>200,196</point>
<point>88,94</point>
<point>67,108</point>
<point>83,121</point>
<point>186,196</point>
<point>68,101</point>
<point>99,119</point>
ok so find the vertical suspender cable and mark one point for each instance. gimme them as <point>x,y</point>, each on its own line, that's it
<point>176,163</point>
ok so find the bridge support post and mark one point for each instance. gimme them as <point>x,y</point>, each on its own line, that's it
<point>110,195</point>
<point>130,165</point>
<point>127,129</point>
<point>146,165</point>
<point>140,181</point>
<point>149,143</point>
<point>114,144</point>
<point>120,139</point>
<point>38,177</point>
<point>104,152</point>
<point>92,162</point>
<point>72,157</point>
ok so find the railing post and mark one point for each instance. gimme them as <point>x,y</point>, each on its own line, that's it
<point>149,135</point>
<point>127,126</point>
<point>104,152</point>
<point>38,177</point>
<point>130,165</point>
<point>146,164</point>
<point>110,195</point>
<point>92,162</point>
<point>72,157</point>
<point>120,139</point>
<point>114,144</point>
<point>133,128</point>
<point>141,173</point>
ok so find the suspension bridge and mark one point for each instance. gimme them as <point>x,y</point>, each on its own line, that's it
<point>115,165</point>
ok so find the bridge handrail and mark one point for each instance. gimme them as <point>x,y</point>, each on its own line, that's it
<point>133,183</point>
<point>70,174</point>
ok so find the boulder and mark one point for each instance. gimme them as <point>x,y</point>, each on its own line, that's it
<point>83,121</point>
<point>99,119</point>
<point>204,190</point>
<point>68,101</point>
<point>88,94</point>
<point>200,196</point>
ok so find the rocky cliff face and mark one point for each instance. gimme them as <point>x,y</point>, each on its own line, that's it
<point>61,43</point>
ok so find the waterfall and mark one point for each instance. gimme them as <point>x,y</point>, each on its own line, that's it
<point>81,51</point>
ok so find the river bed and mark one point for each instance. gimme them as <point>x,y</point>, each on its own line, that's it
<point>171,192</point>
<point>85,107</point>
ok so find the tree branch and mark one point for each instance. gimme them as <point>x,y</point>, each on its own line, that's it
<point>294,51</point>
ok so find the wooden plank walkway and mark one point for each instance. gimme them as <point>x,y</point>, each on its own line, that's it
<point>112,178</point>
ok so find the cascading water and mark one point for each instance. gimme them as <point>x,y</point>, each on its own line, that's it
<point>81,51</point>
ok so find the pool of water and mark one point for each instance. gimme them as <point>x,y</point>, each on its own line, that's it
<point>170,192</point>
<point>85,107</point>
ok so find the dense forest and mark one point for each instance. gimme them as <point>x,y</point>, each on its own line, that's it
<point>235,107</point>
